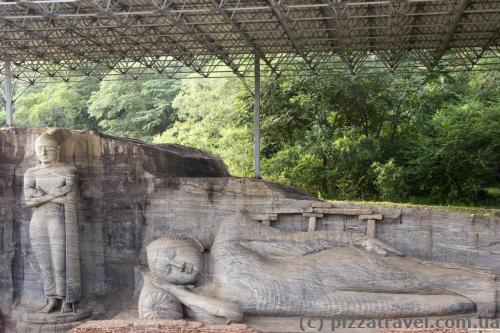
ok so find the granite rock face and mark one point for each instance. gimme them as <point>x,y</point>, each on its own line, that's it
<point>115,176</point>
<point>132,193</point>
<point>255,269</point>
<point>127,189</point>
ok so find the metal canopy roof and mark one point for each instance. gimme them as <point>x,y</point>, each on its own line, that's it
<point>70,38</point>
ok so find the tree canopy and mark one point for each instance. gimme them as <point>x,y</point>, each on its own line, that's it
<point>426,138</point>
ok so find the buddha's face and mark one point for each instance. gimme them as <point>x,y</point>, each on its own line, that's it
<point>47,154</point>
<point>176,261</point>
<point>47,149</point>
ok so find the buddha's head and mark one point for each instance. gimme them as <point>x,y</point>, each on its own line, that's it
<point>175,259</point>
<point>47,148</point>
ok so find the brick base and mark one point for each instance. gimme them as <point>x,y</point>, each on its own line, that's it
<point>158,326</point>
<point>439,330</point>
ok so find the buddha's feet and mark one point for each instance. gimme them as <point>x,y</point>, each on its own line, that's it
<point>50,306</point>
<point>67,307</point>
<point>480,289</point>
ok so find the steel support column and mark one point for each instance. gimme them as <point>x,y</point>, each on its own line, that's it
<point>9,107</point>
<point>256,118</point>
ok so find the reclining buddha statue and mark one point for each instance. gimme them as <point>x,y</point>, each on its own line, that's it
<point>255,269</point>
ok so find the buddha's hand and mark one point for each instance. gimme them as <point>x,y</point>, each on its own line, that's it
<point>60,200</point>
<point>171,288</point>
<point>371,244</point>
<point>63,190</point>
<point>33,192</point>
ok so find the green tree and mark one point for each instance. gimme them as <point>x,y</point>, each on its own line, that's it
<point>343,124</point>
<point>56,105</point>
<point>459,156</point>
<point>214,115</point>
<point>134,109</point>
<point>424,137</point>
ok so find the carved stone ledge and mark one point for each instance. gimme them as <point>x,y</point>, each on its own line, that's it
<point>23,327</point>
<point>371,217</point>
<point>56,317</point>
<point>160,326</point>
<point>343,211</point>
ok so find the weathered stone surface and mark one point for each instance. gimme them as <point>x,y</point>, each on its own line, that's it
<point>197,206</point>
<point>51,190</point>
<point>312,223</point>
<point>430,233</point>
<point>371,228</point>
<point>321,205</point>
<point>265,217</point>
<point>56,317</point>
<point>343,211</point>
<point>259,270</point>
<point>115,177</point>
<point>25,327</point>
<point>120,182</point>
<point>312,215</point>
<point>371,217</point>
<point>159,326</point>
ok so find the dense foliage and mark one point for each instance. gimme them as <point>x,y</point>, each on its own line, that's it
<point>424,138</point>
<point>429,138</point>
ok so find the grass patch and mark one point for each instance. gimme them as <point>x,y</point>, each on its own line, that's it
<point>447,208</point>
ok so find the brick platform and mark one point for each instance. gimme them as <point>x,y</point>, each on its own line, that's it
<point>440,330</point>
<point>427,330</point>
<point>158,326</point>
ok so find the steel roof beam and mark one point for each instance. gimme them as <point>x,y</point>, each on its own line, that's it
<point>65,50</point>
<point>238,27</point>
<point>454,23</point>
<point>431,39</point>
<point>493,37</point>
<point>99,44</point>
<point>147,13</point>
<point>290,33</point>
<point>201,34</point>
<point>328,15</point>
<point>182,23</point>
<point>184,57</point>
<point>256,31</point>
<point>190,62</point>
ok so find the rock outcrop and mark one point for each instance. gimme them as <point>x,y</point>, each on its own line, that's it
<point>131,192</point>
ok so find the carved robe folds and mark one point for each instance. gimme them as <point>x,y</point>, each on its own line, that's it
<point>54,232</point>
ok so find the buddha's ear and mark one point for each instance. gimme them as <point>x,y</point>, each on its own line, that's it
<point>196,242</point>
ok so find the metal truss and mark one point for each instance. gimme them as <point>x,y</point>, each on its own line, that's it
<point>286,64</point>
<point>69,39</point>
